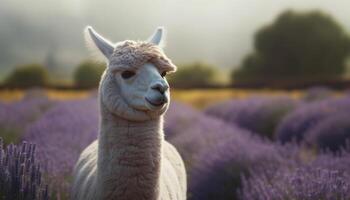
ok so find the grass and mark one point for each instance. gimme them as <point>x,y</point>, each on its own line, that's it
<point>15,95</point>
<point>10,135</point>
<point>11,95</point>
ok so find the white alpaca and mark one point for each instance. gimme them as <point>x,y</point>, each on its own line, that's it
<point>131,160</point>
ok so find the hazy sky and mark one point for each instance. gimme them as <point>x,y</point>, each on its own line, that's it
<point>217,31</point>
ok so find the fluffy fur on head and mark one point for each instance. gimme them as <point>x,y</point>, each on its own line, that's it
<point>112,102</point>
<point>132,54</point>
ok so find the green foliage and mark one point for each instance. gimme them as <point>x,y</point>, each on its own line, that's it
<point>10,135</point>
<point>26,76</point>
<point>88,74</point>
<point>297,46</point>
<point>193,75</point>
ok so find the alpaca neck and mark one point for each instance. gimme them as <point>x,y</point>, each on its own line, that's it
<point>129,158</point>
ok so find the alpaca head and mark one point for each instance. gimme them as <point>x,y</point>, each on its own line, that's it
<point>134,85</point>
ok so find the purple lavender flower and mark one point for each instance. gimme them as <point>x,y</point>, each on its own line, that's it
<point>331,133</point>
<point>215,153</point>
<point>304,118</point>
<point>61,134</point>
<point>24,111</point>
<point>304,183</point>
<point>20,173</point>
<point>325,178</point>
<point>217,174</point>
<point>329,160</point>
<point>178,117</point>
<point>15,117</point>
<point>317,93</point>
<point>260,115</point>
<point>192,132</point>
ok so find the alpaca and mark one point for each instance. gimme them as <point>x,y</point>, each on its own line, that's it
<point>130,160</point>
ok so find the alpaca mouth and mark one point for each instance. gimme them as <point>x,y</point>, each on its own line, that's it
<point>156,104</point>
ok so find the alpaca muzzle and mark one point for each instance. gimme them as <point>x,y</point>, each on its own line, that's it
<point>160,100</point>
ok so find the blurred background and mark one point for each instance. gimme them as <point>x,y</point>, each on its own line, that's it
<point>265,86</point>
<point>245,43</point>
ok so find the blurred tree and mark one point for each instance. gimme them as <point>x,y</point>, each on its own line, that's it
<point>193,75</point>
<point>297,46</point>
<point>88,74</point>
<point>26,76</point>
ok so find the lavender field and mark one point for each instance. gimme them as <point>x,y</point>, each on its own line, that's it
<point>258,148</point>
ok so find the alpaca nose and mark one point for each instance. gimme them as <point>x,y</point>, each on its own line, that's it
<point>161,88</point>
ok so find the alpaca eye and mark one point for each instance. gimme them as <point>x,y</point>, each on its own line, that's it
<point>127,74</point>
<point>163,74</point>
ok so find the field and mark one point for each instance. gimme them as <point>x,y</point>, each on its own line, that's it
<point>199,98</point>
<point>236,144</point>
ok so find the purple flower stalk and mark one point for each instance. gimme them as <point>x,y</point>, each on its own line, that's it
<point>327,177</point>
<point>20,173</point>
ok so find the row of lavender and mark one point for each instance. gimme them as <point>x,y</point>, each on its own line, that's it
<point>225,155</point>
<point>323,125</point>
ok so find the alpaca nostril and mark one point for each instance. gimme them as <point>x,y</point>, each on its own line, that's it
<point>160,88</point>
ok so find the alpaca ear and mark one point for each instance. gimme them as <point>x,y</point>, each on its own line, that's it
<point>105,46</point>
<point>158,37</point>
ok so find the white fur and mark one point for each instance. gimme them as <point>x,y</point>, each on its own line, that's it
<point>130,160</point>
